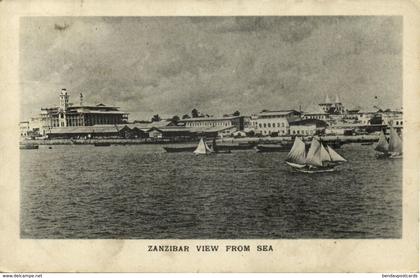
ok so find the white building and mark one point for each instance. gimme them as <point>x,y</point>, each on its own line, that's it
<point>207,122</point>
<point>274,123</point>
<point>315,112</point>
<point>24,128</point>
<point>308,127</point>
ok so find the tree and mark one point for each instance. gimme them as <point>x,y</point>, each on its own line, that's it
<point>175,119</point>
<point>194,113</point>
<point>156,118</point>
<point>236,113</point>
<point>186,116</point>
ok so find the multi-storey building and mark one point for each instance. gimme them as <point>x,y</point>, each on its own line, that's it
<point>68,115</point>
<point>206,122</point>
<point>332,107</point>
<point>274,123</point>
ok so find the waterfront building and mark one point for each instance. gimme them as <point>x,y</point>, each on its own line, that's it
<point>24,129</point>
<point>274,123</point>
<point>308,127</point>
<point>392,118</point>
<point>170,132</point>
<point>85,132</point>
<point>208,122</point>
<point>69,115</point>
<point>332,107</point>
<point>315,112</point>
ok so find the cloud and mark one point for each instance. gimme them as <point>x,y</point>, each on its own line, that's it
<point>169,65</point>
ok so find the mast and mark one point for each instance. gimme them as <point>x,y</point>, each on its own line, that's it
<point>313,158</point>
<point>325,155</point>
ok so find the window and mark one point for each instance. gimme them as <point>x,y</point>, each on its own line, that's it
<point>260,125</point>
<point>265,125</point>
<point>269,125</point>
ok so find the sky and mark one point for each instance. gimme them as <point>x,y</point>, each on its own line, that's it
<point>171,65</point>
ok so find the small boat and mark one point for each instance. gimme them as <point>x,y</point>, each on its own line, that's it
<point>389,149</point>
<point>318,159</point>
<point>272,148</point>
<point>28,146</point>
<point>102,144</point>
<point>179,149</point>
<point>216,149</point>
<point>203,148</point>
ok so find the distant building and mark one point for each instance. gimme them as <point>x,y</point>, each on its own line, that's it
<point>392,118</point>
<point>332,107</point>
<point>24,129</point>
<point>68,115</point>
<point>274,123</point>
<point>308,127</point>
<point>207,122</point>
<point>85,132</point>
<point>315,112</point>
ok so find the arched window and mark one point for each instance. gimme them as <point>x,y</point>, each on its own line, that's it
<point>265,125</point>
<point>269,125</point>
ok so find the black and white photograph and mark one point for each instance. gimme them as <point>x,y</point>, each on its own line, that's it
<point>211,127</point>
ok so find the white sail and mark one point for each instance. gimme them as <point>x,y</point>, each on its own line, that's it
<point>297,153</point>
<point>395,142</point>
<point>313,158</point>
<point>334,155</point>
<point>325,156</point>
<point>202,148</point>
<point>382,145</point>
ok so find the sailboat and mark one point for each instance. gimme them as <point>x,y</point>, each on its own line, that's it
<point>391,149</point>
<point>202,148</point>
<point>318,159</point>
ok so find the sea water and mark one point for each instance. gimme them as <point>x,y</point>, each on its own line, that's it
<point>142,192</point>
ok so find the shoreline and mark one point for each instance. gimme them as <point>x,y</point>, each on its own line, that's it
<point>234,141</point>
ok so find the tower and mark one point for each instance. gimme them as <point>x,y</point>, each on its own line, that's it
<point>64,99</point>
<point>81,99</point>
<point>327,99</point>
<point>64,104</point>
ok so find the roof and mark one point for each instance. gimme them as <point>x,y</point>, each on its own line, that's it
<point>84,129</point>
<point>190,129</point>
<point>210,119</point>
<point>211,129</point>
<point>100,112</point>
<point>314,109</point>
<point>316,122</point>
<point>278,112</point>
<point>159,124</point>
<point>98,106</point>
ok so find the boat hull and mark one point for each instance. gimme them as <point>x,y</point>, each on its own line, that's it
<point>179,149</point>
<point>296,166</point>
<point>311,170</point>
<point>28,147</point>
<point>316,170</point>
<point>388,156</point>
